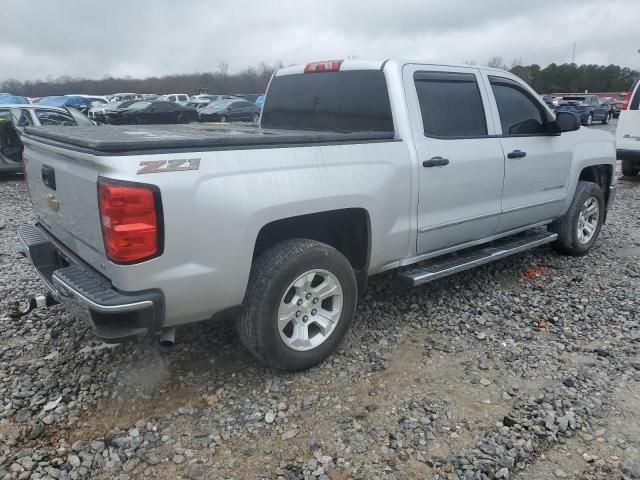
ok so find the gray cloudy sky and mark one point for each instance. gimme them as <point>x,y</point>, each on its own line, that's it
<point>157,37</point>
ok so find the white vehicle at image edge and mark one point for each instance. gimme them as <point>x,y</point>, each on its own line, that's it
<point>359,167</point>
<point>628,134</point>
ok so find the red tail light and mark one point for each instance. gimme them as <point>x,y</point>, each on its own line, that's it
<point>627,100</point>
<point>130,215</point>
<point>324,66</point>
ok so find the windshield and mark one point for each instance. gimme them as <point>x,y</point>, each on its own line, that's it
<point>219,105</point>
<point>569,100</point>
<point>139,105</point>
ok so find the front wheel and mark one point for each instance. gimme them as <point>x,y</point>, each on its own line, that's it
<point>224,119</point>
<point>255,118</point>
<point>182,119</point>
<point>605,120</point>
<point>589,119</point>
<point>578,229</point>
<point>299,304</point>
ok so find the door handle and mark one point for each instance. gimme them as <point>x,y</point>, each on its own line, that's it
<point>436,162</point>
<point>516,154</point>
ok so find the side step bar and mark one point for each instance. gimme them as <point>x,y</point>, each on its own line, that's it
<point>458,262</point>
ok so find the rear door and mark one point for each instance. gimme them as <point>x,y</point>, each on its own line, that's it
<point>537,164</point>
<point>461,161</point>
<point>628,130</point>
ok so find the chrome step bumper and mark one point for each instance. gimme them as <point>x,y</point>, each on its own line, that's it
<point>114,316</point>
<point>458,262</point>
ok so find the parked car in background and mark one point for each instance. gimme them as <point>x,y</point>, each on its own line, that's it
<point>24,115</point>
<point>587,107</point>
<point>6,99</point>
<point>181,98</point>
<point>101,113</point>
<point>628,134</point>
<point>230,111</point>
<point>548,100</point>
<point>211,97</point>
<point>616,106</point>
<point>626,99</point>
<point>156,112</point>
<point>118,97</point>
<point>83,104</point>
<point>92,98</point>
<point>149,97</point>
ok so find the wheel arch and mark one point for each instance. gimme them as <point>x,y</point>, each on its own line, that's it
<point>599,174</point>
<point>347,230</point>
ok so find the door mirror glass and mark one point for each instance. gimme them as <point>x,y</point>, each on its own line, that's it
<point>567,122</point>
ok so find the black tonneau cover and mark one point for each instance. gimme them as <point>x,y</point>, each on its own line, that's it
<point>134,139</point>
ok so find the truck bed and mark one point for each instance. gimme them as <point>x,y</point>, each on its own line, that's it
<point>138,139</point>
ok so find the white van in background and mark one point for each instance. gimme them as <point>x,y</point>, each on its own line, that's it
<point>628,134</point>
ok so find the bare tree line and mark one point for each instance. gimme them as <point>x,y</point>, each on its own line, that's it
<point>567,77</point>
<point>250,80</point>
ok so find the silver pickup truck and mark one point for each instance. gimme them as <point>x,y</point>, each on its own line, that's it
<point>358,167</point>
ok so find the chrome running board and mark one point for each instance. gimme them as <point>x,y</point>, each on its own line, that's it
<point>460,261</point>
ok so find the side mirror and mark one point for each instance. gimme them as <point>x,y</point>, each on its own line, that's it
<point>567,122</point>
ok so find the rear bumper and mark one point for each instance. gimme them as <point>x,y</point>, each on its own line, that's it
<point>114,316</point>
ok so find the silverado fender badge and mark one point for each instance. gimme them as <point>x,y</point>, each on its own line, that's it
<point>162,166</point>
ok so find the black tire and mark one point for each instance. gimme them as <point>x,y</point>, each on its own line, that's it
<point>627,168</point>
<point>589,120</point>
<point>605,120</point>
<point>223,119</point>
<point>567,227</point>
<point>271,276</point>
<point>182,119</point>
<point>255,118</point>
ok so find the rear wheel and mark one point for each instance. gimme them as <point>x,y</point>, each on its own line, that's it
<point>299,304</point>
<point>224,119</point>
<point>578,229</point>
<point>628,169</point>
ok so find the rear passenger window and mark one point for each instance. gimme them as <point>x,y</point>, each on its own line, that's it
<point>519,113</point>
<point>450,104</point>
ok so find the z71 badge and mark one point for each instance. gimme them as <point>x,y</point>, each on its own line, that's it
<point>162,166</point>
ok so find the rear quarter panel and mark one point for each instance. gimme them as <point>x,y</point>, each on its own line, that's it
<point>212,216</point>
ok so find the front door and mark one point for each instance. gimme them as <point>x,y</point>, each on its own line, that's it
<point>537,165</point>
<point>461,163</point>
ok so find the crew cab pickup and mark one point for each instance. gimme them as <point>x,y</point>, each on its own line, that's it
<point>358,167</point>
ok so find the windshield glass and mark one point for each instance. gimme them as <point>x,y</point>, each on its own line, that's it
<point>568,100</point>
<point>219,105</point>
<point>139,105</point>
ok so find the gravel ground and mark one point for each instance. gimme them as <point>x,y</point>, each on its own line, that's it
<point>528,369</point>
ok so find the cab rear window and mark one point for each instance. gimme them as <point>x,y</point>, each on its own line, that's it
<point>344,101</point>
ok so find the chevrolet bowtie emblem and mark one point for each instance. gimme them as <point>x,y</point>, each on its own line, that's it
<point>53,203</point>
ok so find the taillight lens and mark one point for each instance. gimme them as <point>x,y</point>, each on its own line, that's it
<point>627,99</point>
<point>324,66</point>
<point>129,214</point>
